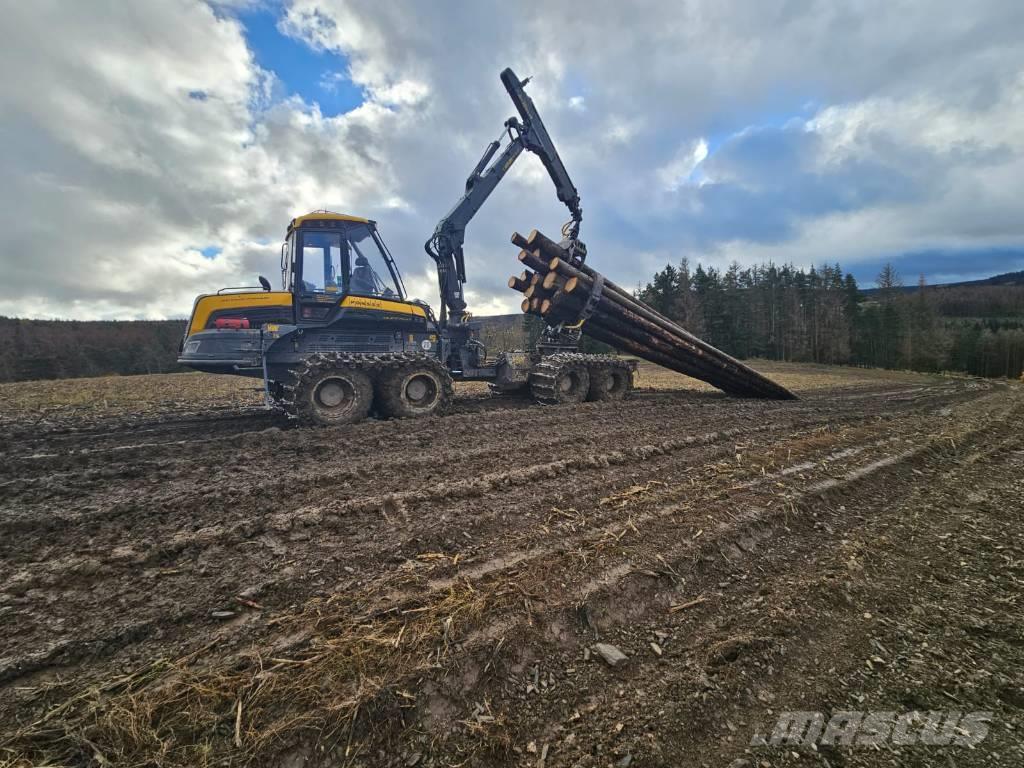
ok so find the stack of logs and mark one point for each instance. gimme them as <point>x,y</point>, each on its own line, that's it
<point>564,294</point>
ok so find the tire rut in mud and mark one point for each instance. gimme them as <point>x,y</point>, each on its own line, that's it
<point>205,521</point>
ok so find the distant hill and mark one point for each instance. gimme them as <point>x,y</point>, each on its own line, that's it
<point>997,298</point>
<point>501,333</point>
<point>1007,278</point>
<point>64,349</point>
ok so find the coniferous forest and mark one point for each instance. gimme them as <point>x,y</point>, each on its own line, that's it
<point>821,315</point>
<point>66,349</point>
<point>817,315</point>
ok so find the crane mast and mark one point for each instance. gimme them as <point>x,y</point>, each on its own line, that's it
<point>527,132</point>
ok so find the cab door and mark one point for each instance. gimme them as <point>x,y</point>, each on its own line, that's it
<point>320,274</point>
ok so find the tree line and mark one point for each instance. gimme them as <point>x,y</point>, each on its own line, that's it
<point>59,349</point>
<point>821,315</point>
<point>816,315</point>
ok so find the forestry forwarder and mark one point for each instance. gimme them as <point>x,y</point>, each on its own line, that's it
<point>342,339</point>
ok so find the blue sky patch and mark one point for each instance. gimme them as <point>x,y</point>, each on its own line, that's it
<point>315,76</point>
<point>732,125</point>
<point>211,251</point>
<point>942,266</point>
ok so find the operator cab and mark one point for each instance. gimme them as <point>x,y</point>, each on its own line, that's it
<point>326,255</point>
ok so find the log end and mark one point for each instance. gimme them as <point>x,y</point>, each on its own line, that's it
<point>550,280</point>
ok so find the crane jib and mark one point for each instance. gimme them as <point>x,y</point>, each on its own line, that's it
<point>445,245</point>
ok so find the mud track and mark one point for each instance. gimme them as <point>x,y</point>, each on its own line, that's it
<point>181,585</point>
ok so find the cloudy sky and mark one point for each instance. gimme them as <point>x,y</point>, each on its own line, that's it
<point>151,151</point>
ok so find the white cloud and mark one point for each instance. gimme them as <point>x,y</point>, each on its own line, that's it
<point>621,130</point>
<point>331,80</point>
<point>404,93</point>
<point>130,138</point>
<point>680,170</point>
<point>957,168</point>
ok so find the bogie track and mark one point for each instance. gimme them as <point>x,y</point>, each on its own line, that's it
<point>340,388</point>
<point>343,388</point>
<point>573,378</point>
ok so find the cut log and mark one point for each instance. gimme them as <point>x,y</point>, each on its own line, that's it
<point>533,261</point>
<point>547,247</point>
<point>666,337</point>
<point>553,280</point>
<point>642,343</point>
<point>568,295</point>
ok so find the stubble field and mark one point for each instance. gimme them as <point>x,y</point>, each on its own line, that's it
<point>188,580</point>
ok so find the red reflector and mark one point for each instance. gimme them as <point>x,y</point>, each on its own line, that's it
<point>231,322</point>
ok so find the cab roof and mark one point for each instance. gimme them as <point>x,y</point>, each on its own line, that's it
<point>325,216</point>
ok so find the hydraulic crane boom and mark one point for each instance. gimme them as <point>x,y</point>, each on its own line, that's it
<point>445,245</point>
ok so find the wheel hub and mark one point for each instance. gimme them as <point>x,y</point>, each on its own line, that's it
<point>421,389</point>
<point>333,393</point>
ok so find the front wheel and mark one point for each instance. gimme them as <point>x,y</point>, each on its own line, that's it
<point>328,392</point>
<point>421,388</point>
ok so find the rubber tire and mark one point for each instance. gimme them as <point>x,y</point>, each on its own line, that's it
<point>609,382</point>
<point>578,392</point>
<point>393,401</point>
<point>557,369</point>
<point>360,390</point>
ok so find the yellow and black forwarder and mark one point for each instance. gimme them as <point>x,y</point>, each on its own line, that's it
<point>342,340</point>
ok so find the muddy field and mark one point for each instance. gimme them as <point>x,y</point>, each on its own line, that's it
<point>188,580</point>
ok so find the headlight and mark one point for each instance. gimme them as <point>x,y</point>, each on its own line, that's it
<point>192,347</point>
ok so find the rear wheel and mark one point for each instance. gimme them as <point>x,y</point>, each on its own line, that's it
<point>560,379</point>
<point>610,381</point>
<point>421,388</point>
<point>328,392</point>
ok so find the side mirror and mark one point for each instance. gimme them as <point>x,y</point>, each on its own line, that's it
<point>265,283</point>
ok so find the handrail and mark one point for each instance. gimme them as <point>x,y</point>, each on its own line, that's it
<point>259,288</point>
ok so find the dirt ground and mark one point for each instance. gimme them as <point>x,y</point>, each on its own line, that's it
<point>188,580</point>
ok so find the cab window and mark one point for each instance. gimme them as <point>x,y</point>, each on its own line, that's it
<point>369,275</point>
<point>348,260</point>
<point>322,264</point>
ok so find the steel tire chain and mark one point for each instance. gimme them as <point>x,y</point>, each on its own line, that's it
<point>373,365</point>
